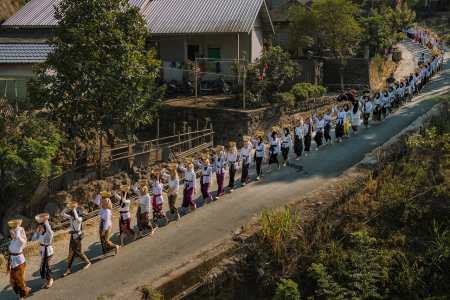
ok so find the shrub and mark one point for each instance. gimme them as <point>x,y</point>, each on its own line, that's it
<point>285,99</point>
<point>312,90</point>
<point>299,93</point>
<point>287,290</point>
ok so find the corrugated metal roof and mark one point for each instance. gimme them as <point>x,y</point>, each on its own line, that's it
<point>40,13</point>
<point>204,16</point>
<point>24,53</point>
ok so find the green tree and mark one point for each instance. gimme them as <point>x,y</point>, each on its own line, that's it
<point>29,154</point>
<point>399,18</point>
<point>99,73</point>
<point>376,32</point>
<point>302,29</point>
<point>330,21</point>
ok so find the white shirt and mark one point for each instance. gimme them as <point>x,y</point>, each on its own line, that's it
<point>219,165</point>
<point>189,178</point>
<point>144,201</point>
<point>307,128</point>
<point>75,224</point>
<point>245,154</point>
<point>386,101</point>
<point>377,102</point>
<point>206,173</point>
<point>275,144</point>
<point>45,239</point>
<point>124,207</point>
<point>157,188</point>
<point>367,107</point>
<point>328,117</point>
<point>260,149</point>
<point>105,215</point>
<point>174,185</point>
<point>16,246</point>
<point>341,116</point>
<point>319,124</point>
<point>232,158</point>
<point>286,140</point>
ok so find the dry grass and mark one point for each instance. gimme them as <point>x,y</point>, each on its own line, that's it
<point>439,23</point>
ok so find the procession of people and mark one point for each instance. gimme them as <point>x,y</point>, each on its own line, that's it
<point>346,113</point>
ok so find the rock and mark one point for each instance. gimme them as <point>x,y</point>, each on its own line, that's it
<point>113,170</point>
<point>42,191</point>
<point>51,208</point>
<point>117,184</point>
<point>63,198</point>
<point>83,180</point>
<point>74,183</point>
<point>25,221</point>
<point>91,175</point>
<point>78,176</point>
<point>137,176</point>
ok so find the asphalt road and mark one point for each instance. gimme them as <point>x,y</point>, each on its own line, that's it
<point>147,259</point>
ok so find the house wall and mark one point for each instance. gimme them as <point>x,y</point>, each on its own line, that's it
<point>281,37</point>
<point>15,71</point>
<point>172,49</point>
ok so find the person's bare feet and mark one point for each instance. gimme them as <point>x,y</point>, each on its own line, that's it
<point>231,190</point>
<point>167,221</point>
<point>178,216</point>
<point>152,231</point>
<point>117,249</point>
<point>279,167</point>
<point>331,142</point>
<point>317,149</point>
<point>284,165</point>
<point>172,218</point>
<point>297,158</point>
<point>66,273</point>
<point>87,265</point>
<point>268,171</point>
<point>257,178</point>
<point>49,283</point>
<point>121,244</point>
<point>104,256</point>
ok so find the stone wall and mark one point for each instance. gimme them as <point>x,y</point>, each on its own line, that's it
<point>232,124</point>
<point>312,71</point>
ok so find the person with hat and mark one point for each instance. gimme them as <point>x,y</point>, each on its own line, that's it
<point>44,234</point>
<point>16,260</point>
<point>356,116</point>
<point>307,134</point>
<point>348,118</point>
<point>298,136</point>
<point>286,143</point>
<point>274,149</point>
<point>74,214</point>
<point>385,103</point>
<point>260,153</point>
<point>340,121</point>
<point>377,101</point>
<point>245,158</point>
<point>232,165</point>
<point>320,123</point>
<point>104,227</point>
<point>366,110</point>
<point>143,211</point>
<point>189,184</point>
<point>421,59</point>
<point>366,90</point>
<point>158,200</point>
<point>349,95</point>
<point>219,169</point>
<point>174,186</point>
<point>342,97</point>
<point>124,214</point>
<point>327,118</point>
<point>391,79</point>
<point>206,178</point>
<point>391,93</point>
<point>353,99</point>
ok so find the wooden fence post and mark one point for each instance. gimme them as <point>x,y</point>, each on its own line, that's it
<point>15,93</point>
<point>189,138</point>
<point>197,142</point>
<point>179,142</point>
<point>157,131</point>
<point>174,133</point>
<point>211,132</point>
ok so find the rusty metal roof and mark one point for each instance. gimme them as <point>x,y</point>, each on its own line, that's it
<point>40,13</point>
<point>205,16</point>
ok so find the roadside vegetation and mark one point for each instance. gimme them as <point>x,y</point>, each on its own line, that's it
<point>389,240</point>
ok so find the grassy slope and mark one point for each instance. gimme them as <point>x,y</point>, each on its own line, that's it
<point>439,23</point>
<point>10,7</point>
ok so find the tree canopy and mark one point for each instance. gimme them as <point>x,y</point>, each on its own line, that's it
<point>99,73</point>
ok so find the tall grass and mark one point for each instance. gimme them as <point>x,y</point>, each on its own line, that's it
<point>278,226</point>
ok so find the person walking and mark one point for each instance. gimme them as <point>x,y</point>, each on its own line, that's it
<point>74,214</point>
<point>44,234</point>
<point>143,211</point>
<point>307,134</point>
<point>286,143</point>
<point>274,149</point>
<point>298,136</point>
<point>189,184</point>
<point>174,186</point>
<point>16,260</point>
<point>232,165</point>
<point>206,179</point>
<point>260,153</point>
<point>318,138</point>
<point>219,168</point>
<point>105,225</point>
<point>124,214</point>
<point>158,200</point>
<point>245,158</point>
